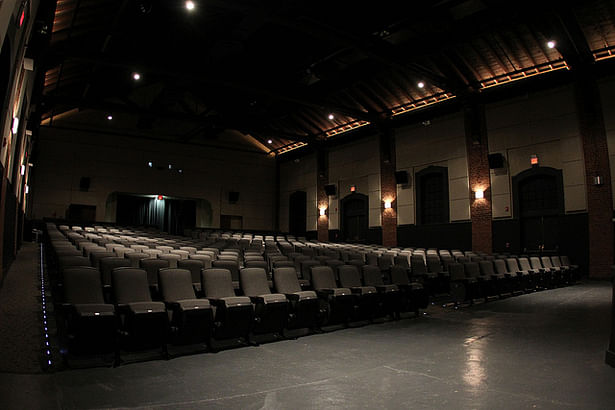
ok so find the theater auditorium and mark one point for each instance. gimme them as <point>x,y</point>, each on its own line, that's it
<point>307,204</point>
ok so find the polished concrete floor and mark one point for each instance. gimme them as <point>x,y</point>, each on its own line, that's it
<point>540,351</point>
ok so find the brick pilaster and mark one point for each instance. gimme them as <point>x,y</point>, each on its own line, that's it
<point>322,200</point>
<point>388,188</point>
<point>595,151</point>
<point>479,176</point>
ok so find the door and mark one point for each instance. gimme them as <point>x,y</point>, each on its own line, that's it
<point>297,213</point>
<point>355,222</point>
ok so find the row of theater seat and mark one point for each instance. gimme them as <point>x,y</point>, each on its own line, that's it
<point>338,282</point>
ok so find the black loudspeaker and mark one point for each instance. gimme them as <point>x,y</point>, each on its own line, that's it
<point>84,184</point>
<point>330,190</point>
<point>233,197</point>
<point>401,177</point>
<point>496,161</point>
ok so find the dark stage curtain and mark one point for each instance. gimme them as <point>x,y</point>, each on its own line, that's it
<point>168,215</point>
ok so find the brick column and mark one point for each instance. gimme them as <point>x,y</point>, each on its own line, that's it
<point>388,188</point>
<point>322,200</point>
<point>599,197</point>
<point>478,176</point>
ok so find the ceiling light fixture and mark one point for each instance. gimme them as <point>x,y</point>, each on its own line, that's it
<point>136,76</point>
<point>190,5</point>
<point>150,164</point>
<point>421,84</point>
<point>269,141</point>
<point>331,116</point>
<point>109,117</point>
<point>551,44</point>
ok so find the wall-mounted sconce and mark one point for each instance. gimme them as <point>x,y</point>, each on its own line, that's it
<point>387,204</point>
<point>23,170</point>
<point>27,189</point>
<point>598,180</point>
<point>479,194</point>
<point>15,126</point>
<point>322,211</point>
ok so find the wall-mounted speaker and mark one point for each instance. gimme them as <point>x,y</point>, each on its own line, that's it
<point>401,177</point>
<point>330,190</point>
<point>233,197</point>
<point>496,161</point>
<point>84,184</point>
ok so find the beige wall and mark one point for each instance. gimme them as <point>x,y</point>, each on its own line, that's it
<point>544,124</point>
<point>119,164</point>
<point>355,164</point>
<point>298,175</point>
<point>441,143</point>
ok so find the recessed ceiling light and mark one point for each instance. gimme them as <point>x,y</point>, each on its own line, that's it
<point>109,117</point>
<point>269,141</point>
<point>331,116</point>
<point>551,44</point>
<point>181,171</point>
<point>190,5</point>
<point>150,164</point>
<point>136,76</point>
<point>170,166</point>
<point>421,84</point>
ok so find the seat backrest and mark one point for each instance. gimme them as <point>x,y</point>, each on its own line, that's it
<point>172,258</point>
<point>82,285</point>
<point>205,260</point>
<point>500,266</point>
<point>456,271</point>
<point>108,264</point>
<point>217,283</point>
<point>285,280</point>
<point>417,263</point>
<point>524,264</point>
<point>555,261</point>
<point>323,277</point>
<point>259,264</point>
<point>512,265</point>
<point>486,268</point>
<point>399,275</point>
<point>565,260</point>
<point>253,281</point>
<point>95,257</point>
<point>546,262</point>
<point>283,264</point>
<point>306,266</point>
<point>195,267</point>
<point>349,276</point>
<point>135,257</point>
<point>385,261</point>
<point>151,266</point>
<point>471,269</point>
<point>372,276</point>
<point>130,285</point>
<point>535,262</point>
<point>73,260</point>
<point>402,260</point>
<point>334,263</point>
<point>433,264</point>
<point>175,284</point>
<point>231,265</point>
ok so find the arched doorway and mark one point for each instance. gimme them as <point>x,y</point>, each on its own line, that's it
<point>354,215</point>
<point>538,204</point>
<point>297,213</point>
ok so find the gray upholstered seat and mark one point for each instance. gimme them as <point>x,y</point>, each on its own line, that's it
<point>146,322</point>
<point>152,266</point>
<point>192,318</point>
<point>108,264</point>
<point>271,309</point>
<point>233,314</point>
<point>340,301</point>
<point>195,266</point>
<point>172,258</point>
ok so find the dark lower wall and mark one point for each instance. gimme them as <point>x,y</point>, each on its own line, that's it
<point>442,236</point>
<point>572,237</point>
<point>10,224</point>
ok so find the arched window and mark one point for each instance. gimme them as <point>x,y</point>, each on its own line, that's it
<point>432,195</point>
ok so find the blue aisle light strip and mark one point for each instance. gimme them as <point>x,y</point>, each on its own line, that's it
<point>47,362</point>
